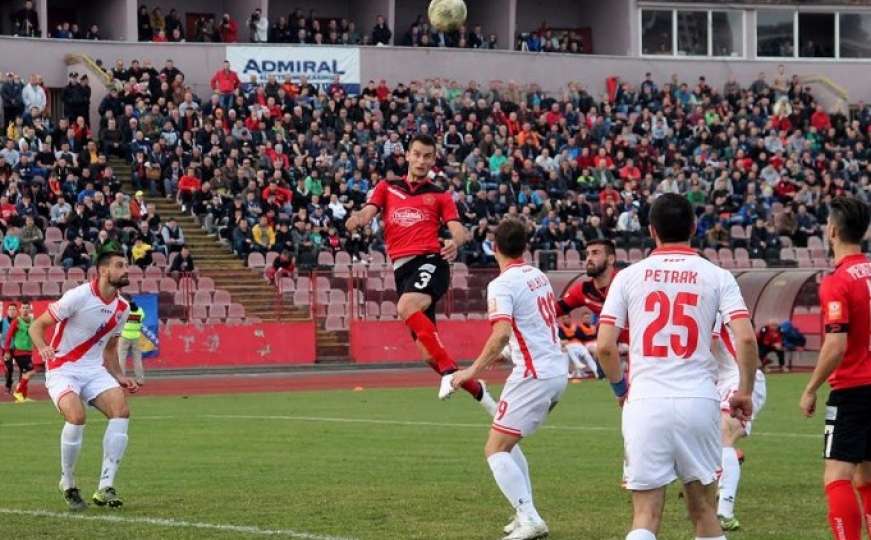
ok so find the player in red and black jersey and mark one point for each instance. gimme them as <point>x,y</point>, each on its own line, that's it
<point>414,211</point>
<point>845,361</point>
<point>591,291</point>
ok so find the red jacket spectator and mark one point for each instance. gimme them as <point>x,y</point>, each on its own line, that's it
<point>820,120</point>
<point>189,183</point>
<point>630,172</point>
<point>225,80</point>
<point>609,197</point>
<point>282,195</point>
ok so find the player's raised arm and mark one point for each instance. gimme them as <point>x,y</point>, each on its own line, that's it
<point>37,332</point>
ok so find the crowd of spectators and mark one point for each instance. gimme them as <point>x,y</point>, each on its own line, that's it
<point>278,167</point>
<point>57,173</point>
<point>296,28</point>
<point>547,39</point>
<point>24,22</point>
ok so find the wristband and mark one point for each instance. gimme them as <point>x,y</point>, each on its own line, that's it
<point>620,388</point>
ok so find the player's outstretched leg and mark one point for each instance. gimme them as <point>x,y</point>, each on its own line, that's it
<point>427,336</point>
<point>22,388</point>
<point>70,446</point>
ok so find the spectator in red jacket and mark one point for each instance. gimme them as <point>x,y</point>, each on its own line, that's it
<point>225,82</point>
<point>188,185</point>
<point>771,341</point>
<point>820,120</point>
<point>282,195</point>
<point>609,197</point>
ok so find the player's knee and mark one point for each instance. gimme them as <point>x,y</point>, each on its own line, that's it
<point>75,417</point>
<point>120,411</point>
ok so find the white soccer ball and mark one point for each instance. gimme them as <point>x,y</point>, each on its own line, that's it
<point>447,15</point>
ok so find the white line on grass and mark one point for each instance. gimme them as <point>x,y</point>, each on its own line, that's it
<point>162,522</point>
<point>58,421</point>
<point>450,424</point>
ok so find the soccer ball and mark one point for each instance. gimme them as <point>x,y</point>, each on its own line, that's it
<point>447,15</point>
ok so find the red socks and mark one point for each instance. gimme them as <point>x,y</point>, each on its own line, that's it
<point>844,516</point>
<point>22,386</point>
<point>441,362</point>
<point>865,494</point>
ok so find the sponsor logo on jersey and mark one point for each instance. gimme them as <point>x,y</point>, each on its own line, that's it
<point>835,310</point>
<point>428,200</point>
<point>407,216</point>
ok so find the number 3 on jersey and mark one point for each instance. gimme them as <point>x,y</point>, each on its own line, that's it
<point>674,315</point>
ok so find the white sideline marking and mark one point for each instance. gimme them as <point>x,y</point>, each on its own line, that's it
<point>59,420</point>
<point>162,522</point>
<point>455,425</point>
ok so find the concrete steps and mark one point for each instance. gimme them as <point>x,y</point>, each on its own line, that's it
<point>247,287</point>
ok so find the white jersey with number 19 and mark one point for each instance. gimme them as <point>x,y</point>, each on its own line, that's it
<point>670,302</point>
<point>522,295</point>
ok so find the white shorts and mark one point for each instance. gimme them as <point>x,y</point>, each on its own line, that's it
<point>87,383</point>
<point>760,393</point>
<point>524,404</point>
<point>665,439</point>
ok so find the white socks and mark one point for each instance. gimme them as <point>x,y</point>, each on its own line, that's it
<point>520,460</point>
<point>514,485</point>
<point>640,534</point>
<point>114,444</point>
<point>729,483</point>
<point>70,446</point>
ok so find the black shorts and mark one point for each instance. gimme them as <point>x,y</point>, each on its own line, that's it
<point>848,425</point>
<point>24,361</point>
<point>427,274</point>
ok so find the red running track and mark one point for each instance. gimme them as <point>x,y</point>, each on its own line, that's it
<point>238,384</point>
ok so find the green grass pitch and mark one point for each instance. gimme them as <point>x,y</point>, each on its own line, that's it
<point>379,464</point>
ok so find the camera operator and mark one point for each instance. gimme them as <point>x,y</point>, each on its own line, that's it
<point>228,29</point>
<point>259,26</point>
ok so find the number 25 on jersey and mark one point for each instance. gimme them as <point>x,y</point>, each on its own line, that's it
<point>673,315</point>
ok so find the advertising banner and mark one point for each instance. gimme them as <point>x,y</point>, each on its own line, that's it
<point>320,65</point>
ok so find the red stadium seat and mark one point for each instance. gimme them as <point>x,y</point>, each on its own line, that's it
<point>388,311</point>
<point>51,289</point>
<point>286,285</point>
<point>325,258</point>
<point>22,260</point>
<point>206,284</point>
<point>217,312</point>
<point>236,311</point>
<point>37,274</point>
<point>76,274</point>
<point>334,323</point>
<point>343,257</point>
<point>11,290</point>
<point>151,286</point>
<point>42,260</point>
<point>202,298</point>
<point>199,312</point>
<point>168,284</point>
<point>31,289</point>
<point>221,298</point>
<point>256,261</point>
<point>68,284</point>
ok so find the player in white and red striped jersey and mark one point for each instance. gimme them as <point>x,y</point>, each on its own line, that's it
<point>522,312</point>
<point>82,366</point>
<point>733,430</point>
<point>671,418</point>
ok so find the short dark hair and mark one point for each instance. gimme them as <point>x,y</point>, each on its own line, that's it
<point>672,217</point>
<point>610,248</point>
<point>851,216</point>
<point>108,250</point>
<point>423,139</point>
<point>511,238</point>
